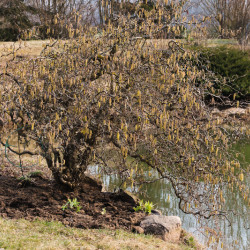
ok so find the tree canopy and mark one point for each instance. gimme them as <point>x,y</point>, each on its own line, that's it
<point>111,97</point>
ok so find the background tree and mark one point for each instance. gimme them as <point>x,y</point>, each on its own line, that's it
<point>16,16</point>
<point>116,100</point>
<point>231,18</point>
<point>109,12</point>
<point>63,10</point>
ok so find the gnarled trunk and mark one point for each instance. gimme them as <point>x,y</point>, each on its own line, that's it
<point>68,167</point>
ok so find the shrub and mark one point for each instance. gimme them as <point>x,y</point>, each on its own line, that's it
<point>146,207</point>
<point>116,91</point>
<point>231,66</point>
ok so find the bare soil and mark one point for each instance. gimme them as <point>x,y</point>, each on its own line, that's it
<point>42,198</point>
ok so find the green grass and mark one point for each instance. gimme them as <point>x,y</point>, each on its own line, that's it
<point>222,41</point>
<point>23,234</point>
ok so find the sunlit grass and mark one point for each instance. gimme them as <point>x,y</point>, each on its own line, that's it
<point>22,234</point>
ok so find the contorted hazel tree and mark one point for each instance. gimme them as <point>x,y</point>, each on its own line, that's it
<point>111,96</point>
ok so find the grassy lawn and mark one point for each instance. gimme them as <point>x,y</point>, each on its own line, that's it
<point>22,234</point>
<point>31,49</point>
<point>216,42</point>
<point>224,42</point>
<point>24,49</point>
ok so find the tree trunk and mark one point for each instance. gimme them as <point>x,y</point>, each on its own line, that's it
<point>48,5</point>
<point>68,167</point>
<point>54,6</point>
<point>100,12</point>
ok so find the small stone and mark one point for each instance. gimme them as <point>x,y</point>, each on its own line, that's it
<point>137,229</point>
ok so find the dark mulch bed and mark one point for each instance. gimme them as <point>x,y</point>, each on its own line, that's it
<point>43,198</point>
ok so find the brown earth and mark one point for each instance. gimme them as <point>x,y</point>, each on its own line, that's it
<point>42,198</point>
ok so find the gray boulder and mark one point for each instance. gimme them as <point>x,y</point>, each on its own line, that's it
<point>166,227</point>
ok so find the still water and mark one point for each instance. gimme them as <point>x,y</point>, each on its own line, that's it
<point>236,236</point>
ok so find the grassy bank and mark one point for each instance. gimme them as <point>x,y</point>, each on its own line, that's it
<point>22,234</point>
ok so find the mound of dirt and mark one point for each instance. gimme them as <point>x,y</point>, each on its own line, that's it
<point>43,198</point>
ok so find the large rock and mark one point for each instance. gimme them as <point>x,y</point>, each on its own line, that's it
<point>166,227</point>
<point>237,112</point>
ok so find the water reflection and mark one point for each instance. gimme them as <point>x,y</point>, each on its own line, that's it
<point>236,236</point>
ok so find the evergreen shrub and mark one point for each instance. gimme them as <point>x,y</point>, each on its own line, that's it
<point>231,64</point>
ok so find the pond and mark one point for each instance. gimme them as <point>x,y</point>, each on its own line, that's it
<point>236,236</point>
